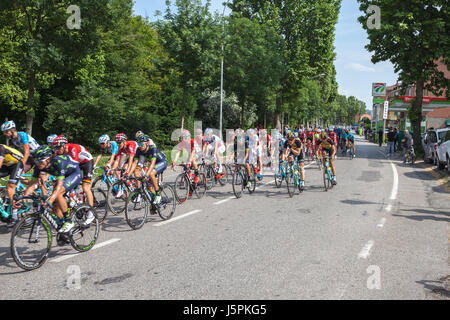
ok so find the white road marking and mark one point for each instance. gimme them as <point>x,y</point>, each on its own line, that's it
<point>382,222</point>
<point>365,252</point>
<point>105,243</point>
<point>177,218</point>
<point>223,201</point>
<point>395,183</point>
<point>388,208</point>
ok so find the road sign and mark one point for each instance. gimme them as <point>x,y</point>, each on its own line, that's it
<point>378,89</point>
<point>378,100</point>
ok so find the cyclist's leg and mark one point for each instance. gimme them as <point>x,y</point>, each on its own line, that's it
<point>87,170</point>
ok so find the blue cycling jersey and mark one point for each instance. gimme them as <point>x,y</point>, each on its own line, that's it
<point>24,138</point>
<point>112,149</point>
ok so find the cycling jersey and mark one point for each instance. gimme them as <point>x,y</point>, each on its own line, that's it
<point>113,148</point>
<point>190,146</point>
<point>350,137</point>
<point>326,143</point>
<point>61,167</point>
<point>151,154</point>
<point>22,139</point>
<point>9,155</point>
<point>79,153</point>
<point>130,149</point>
<point>213,141</point>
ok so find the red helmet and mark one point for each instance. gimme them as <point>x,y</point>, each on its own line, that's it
<point>59,141</point>
<point>121,137</point>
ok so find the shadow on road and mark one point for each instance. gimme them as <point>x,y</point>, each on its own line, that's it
<point>439,289</point>
<point>422,218</point>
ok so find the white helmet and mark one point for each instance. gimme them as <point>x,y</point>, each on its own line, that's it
<point>208,131</point>
<point>50,138</point>
<point>103,139</point>
<point>8,125</point>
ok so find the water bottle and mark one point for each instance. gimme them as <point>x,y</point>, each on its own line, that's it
<point>73,200</point>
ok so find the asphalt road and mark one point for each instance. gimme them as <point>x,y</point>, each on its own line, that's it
<point>381,233</point>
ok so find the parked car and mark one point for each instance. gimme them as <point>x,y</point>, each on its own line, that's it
<point>443,152</point>
<point>432,138</point>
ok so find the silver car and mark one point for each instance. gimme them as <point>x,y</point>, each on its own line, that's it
<point>432,138</point>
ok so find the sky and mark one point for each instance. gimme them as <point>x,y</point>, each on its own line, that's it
<point>355,72</point>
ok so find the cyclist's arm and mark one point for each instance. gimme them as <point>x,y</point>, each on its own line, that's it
<point>26,153</point>
<point>134,165</point>
<point>59,189</point>
<point>151,167</point>
<point>97,159</point>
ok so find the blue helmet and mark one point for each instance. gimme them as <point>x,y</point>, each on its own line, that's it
<point>50,138</point>
<point>103,139</point>
<point>8,125</point>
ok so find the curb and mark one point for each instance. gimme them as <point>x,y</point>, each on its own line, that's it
<point>441,181</point>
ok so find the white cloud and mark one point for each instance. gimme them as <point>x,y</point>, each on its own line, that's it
<point>359,67</point>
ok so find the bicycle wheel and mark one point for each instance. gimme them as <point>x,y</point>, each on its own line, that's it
<point>100,205</point>
<point>238,184</point>
<point>252,187</point>
<point>100,184</point>
<point>327,179</point>
<point>200,187</point>
<point>116,198</point>
<point>166,208</point>
<point>83,236</point>
<point>210,177</point>
<point>31,241</point>
<point>181,188</point>
<point>223,179</point>
<point>136,209</point>
<point>278,176</point>
<point>290,181</point>
<point>229,174</point>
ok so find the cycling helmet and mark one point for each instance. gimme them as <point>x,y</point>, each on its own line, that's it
<point>50,138</point>
<point>59,141</point>
<point>8,125</point>
<point>323,135</point>
<point>185,134</point>
<point>291,135</point>
<point>142,138</point>
<point>319,130</point>
<point>251,132</point>
<point>208,131</point>
<point>121,137</point>
<point>138,134</point>
<point>42,153</point>
<point>103,139</point>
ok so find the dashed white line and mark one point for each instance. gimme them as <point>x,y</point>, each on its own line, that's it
<point>388,208</point>
<point>395,183</point>
<point>224,200</point>
<point>105,243</point>
<point>177,218</point>
<point>365,252</point>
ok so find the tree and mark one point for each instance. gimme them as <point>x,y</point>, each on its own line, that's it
<point>413,36</point>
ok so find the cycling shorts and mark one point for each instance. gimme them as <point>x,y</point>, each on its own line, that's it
<point>72,181</point>
<point>88,169</point>
<point>14,172</point>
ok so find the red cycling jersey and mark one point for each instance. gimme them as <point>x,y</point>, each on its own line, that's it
<point>79,153</point>
<point>130,149</point>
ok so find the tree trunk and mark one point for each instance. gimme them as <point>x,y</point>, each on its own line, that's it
<point>416,120</point>
<point>30,104</point>
<point>279,104</point>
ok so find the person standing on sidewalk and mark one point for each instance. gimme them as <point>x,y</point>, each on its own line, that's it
<point>390,142</point>
<point>396,139</point>
<point>407,143</point>
<point>380,137</point>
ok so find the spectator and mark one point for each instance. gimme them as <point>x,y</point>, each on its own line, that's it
<point>390,142</point>
<point>395,139</point>
<point>407,143</point>
<point>380,137</point>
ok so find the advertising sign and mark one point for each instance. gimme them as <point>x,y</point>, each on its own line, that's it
<point>378,89</point>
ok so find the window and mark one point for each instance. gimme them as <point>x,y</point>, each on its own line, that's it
<point>442,134</point>
<point>432,136</point>
<point>447,136</point>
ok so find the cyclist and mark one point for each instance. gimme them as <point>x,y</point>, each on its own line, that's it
<point>193,148</point>
<point>242,153</point>
<point>350,141</point>
<point>255,150</point>
<point>11,165</point>
<point>22,141</point>
<point>106,145</point>
<point>141,134</point>
<point>158,163</point>
<point>126,149</point>
<point>215,146</point>
<point>68,177</point>
<point>329,147</point>
<point>84,159</point>
<point>294,150</point>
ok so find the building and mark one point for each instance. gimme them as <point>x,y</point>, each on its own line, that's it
<point>398,104</point>
<point>438,118</point>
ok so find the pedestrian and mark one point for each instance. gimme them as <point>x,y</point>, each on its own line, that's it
<point>396,139</point>
<point>380,137</point>
<point>390,142</point>
<point>407,143</point>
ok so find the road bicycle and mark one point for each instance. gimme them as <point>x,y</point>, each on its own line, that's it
<point>327,175</point>
<point>141,201</point>
<point>188,182</point>
<point>281,173</point>
<point>240,180</point>
<point>410,156</point>
<point>116,197</point>
<point>350,150</point>
<point>211,170</point>
<point>293,179</point>
<point>31,238</point>
<point>319,160</point>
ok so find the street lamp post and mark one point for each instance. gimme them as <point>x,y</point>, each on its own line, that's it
<point>221,68</point>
